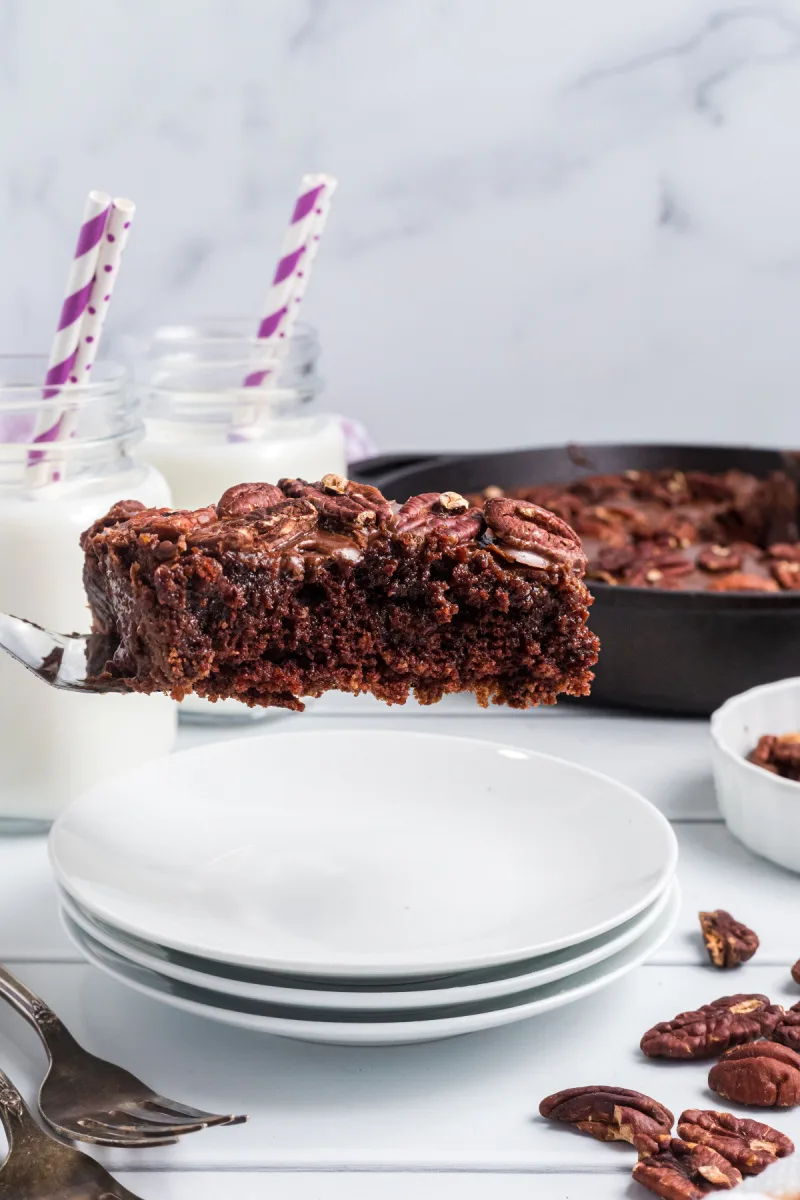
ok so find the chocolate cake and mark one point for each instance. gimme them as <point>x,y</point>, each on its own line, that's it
<point>285,591</point>
<point>686,531</point>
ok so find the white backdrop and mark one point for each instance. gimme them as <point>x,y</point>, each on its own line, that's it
<point>555,220</point>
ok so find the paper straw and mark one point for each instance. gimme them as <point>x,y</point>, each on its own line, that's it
<point>300,246</point>
<point>79,285</point>
<point>112,247</point>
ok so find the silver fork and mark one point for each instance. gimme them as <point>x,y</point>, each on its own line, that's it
<point>64,660</point>
<point>90,1100</point>
<point>39,1167</point>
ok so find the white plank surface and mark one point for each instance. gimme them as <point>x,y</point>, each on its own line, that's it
<point>469,1103</point>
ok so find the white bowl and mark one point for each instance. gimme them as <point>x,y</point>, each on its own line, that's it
<point>760,809</point>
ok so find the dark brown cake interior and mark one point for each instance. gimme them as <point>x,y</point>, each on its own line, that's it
<point>290,591</point>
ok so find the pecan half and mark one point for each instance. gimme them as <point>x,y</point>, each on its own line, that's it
<point>612,1115</point>
<point>441,512</point>
<point>748,1145</point>
<point>779,754</point>
<point>796,972</point>
<point>706,1031</point>
<point>736,582</point>
<point>683,1171</point>
<point>763,1074</point>
<point>242,498</point>
<point>728,942</point>
<point>787,575</point>
<point>526,527</point>
<point>719,559</point>
<point>340,501</point>
<point>282,526</point>
<point>787,1031</point>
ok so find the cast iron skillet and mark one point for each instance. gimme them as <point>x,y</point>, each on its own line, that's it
<point>667,652</point>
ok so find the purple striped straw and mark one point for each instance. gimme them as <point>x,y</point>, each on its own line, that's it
<point>300,245</point>
<point>65,344</point>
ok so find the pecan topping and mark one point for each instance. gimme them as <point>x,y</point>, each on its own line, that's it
<point>440,512</point>
<point>242,498</point>
<point>525,526</point>
<point>684,1171</point>
<point>340,501</point>
<point>728,942</point>
<point>787,575</point>
<point>706,1031</point>
<point>612,1115</point>
<point>281,526</point>
<point>719,559</point>
<point>764,1074</point>
<point>747,1145</point>
<point>736,582</point>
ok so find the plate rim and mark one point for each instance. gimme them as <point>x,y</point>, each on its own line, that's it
<point>373,968</point>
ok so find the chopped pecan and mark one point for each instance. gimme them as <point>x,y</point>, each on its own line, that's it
<point>706,1031</point>
<point>728,942</point>
<point>736,582</point>
<point>441,512</point>
<point>719,559</point>
<point>341,501</point>
<point>528,528</point>
<point>242,498</point>
<point>748,1145</point>
<point>684,1171</point>
<point>765,1074</point>
<point>612,1115</point>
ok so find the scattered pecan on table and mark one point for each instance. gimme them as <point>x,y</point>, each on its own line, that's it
<point>707,1031</point>
<point>787,1031</point>
<point>764,1074</point>
<point>728,942</point>
<point>685,1171</point>
<point>748,1145</point>
<point>796,972</point>
<point>612,1114</point>
<point>779,754</point>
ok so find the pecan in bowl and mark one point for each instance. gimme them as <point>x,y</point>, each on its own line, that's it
<point>748,1145</point>
<point>728,942</point>
<point>612,1115</point>
<point>778,754</point>
<point>765,1074</point>
<point>685,1171</point>
<point>705,1032</point>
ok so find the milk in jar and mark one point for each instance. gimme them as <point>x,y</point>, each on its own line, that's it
<point>54,745</point>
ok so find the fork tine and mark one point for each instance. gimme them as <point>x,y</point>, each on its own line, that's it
<point>162,1104</point>
<point>110,1134</point>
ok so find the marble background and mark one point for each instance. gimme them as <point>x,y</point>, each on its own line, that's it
<point>555,220</point>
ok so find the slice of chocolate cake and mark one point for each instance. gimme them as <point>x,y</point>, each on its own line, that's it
<point>281,592</point>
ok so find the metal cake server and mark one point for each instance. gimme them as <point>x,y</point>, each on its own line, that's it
<point>61,659</point>
<point>90,1100</point>
<point>39,1167</point>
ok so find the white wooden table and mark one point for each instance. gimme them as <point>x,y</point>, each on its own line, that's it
<point>444,1120</point>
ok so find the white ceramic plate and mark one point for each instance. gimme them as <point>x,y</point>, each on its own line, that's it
<point>353,853</point>
<point>383,1027</point>
<point>272,987</point>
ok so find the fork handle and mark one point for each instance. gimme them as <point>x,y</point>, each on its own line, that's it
<point>16,1118</point>
<point>49,1027</point>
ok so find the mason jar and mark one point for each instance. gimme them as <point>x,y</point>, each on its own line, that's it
<point>53,744</point>
<point>207,430</point>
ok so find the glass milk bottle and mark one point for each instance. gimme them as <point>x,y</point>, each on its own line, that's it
<point>54,745</point>
<point>207,431</point>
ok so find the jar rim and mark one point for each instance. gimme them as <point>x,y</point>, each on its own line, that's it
<point>24,388</point>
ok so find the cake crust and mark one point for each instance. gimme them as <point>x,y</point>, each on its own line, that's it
<point>289,590</point>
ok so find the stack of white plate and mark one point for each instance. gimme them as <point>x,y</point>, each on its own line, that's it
<point>365,887</point>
